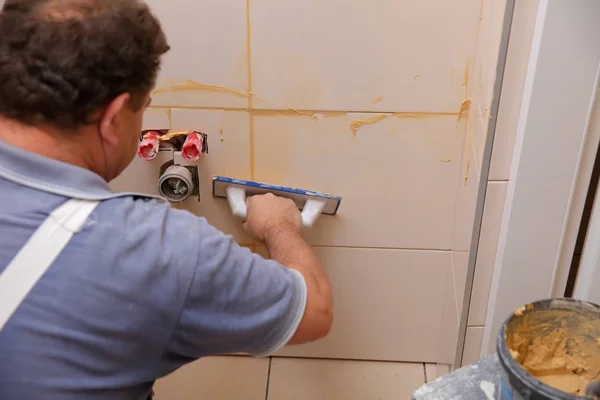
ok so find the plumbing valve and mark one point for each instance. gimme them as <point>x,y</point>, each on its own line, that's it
<point>191,144</point>
<point>178,182</point>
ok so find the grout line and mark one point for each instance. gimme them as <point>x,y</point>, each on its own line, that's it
<point>425,372</point>
<point>250,92</point>
<point>300,112</point>
<point>352,359</point>
<point>268,378</point>
<point>379,248</point>
<point>454,286</point>
<point>324,246</point>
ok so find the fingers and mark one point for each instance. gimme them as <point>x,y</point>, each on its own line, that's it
<point>250,199</point>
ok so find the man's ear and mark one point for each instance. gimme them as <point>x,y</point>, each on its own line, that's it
<point>108,120</point>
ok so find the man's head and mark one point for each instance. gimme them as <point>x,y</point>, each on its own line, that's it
<point>83,69</point>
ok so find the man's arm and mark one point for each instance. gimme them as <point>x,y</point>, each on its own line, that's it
<point>277,222</point>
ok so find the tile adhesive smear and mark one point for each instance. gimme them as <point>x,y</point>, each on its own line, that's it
<point>312,204</point>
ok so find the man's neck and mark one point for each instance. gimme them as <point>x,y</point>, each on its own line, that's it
<point>45,141</point>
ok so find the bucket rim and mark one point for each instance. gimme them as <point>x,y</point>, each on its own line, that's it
<point>510,365</point>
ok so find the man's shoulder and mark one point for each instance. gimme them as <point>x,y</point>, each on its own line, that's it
<point>137,213</point>
<point>144,219</point>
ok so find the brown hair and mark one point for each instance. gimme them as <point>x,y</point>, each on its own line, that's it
<point>62,60</point>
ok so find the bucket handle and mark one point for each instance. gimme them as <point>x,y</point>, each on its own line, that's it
<point>236,196</point>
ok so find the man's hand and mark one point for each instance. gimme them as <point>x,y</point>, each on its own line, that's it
<point>268,214</point>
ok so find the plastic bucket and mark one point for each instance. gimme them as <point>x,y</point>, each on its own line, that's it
<point>553,339</point>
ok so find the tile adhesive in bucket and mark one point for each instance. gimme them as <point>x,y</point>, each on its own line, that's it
<point>550,350</point>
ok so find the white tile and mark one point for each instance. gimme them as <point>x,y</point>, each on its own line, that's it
<point>383,55</point>
<point>468,188</point>
<point>512,88</point>
<point>472,345</point>
<point>229,155</point>
<point>481,85</point>
<point>448,333</point>
<point>216,378</point>
<point>480,133</point>
<point>156,119</point>
<point>486,255</point>
<point>387,305</point>
<point>293,379</point>
<point>460,263</point>
<point>435,371</point>
<point>397,176</point>
<point>208,63</point>
<point>141,176</point>
<point>452,309</point>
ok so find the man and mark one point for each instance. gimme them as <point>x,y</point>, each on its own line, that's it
<point>136,289</point>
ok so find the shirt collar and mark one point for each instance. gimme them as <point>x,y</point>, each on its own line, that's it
<point>42,173</point>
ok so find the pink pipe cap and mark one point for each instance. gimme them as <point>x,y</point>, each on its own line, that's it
<point>192,148</point>
<point>148,147</point>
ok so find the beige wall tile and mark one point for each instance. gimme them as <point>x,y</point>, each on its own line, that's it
<point>141,176</point>
<point>489,44</point>
<point>385,55</point>
<point>480,131</point>
<point>486,256</point>
<point>434,371</point>
<point>208,48</point>
<point>512,88</point>
<point>293,379</point>
<point>448,332</point>
<point>472,345</point>
<point>481,88</point>
<point>455,287</point>
<point>398,176</point>
<point>156,119</point>
<point>216,378</point>
<point>228,157</point>
<point>387,305</point>
<point>460,263</point>
<point>466,203</point>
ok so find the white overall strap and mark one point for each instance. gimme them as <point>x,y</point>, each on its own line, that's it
<point>38,254</point>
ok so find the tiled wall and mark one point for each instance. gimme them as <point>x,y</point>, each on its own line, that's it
<point>361,99</point>
<point>294,379</point>
<point>510,102</point>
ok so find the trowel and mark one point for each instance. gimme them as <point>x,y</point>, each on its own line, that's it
<point>312,204</point>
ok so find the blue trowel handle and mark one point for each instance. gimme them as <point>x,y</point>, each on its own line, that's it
<point>237,201</point>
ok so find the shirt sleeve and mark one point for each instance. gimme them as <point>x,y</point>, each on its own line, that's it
<point>237,302</point>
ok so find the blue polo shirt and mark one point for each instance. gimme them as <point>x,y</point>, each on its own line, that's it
<point>143,289</point>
